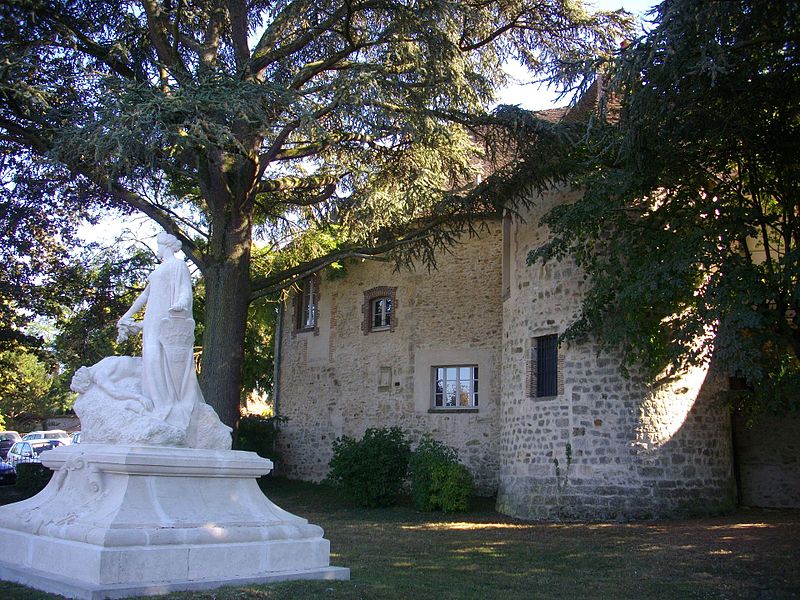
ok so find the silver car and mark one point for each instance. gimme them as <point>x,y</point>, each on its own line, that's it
<point>29,451</point>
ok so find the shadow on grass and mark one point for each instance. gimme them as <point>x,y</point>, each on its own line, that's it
<point>399,553</point>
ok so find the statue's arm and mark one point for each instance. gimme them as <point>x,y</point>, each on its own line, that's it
<point>182,295</point>
<point>126,325</point>
<point>137,305</point>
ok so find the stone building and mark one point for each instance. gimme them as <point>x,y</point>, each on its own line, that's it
<point>469,354</point>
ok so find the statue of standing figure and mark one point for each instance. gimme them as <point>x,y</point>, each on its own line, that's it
<point>155,399</point>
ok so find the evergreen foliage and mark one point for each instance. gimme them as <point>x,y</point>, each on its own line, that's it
<point>438,479</point>
<point>257,434</point>
<point>322,131</point>
<point>372,470</point>
<point>689,226</point>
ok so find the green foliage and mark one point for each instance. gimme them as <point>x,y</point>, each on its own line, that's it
<point>452,485</point>
<point>371,471</point>
<point>334,134</point>
<point>257,434</point>
<point>688,225</point>
<point>25,383</point>
<point>106,282</point>
<point>32,477</point>
<point>438,480</point>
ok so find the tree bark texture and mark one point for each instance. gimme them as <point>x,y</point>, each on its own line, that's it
<point>227,281</point>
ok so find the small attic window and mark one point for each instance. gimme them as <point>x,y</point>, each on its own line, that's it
<point>306,307</point>
<point>379,309</point>
<point>382,313</point>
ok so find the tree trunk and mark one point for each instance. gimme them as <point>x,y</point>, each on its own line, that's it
<point>227,281</point>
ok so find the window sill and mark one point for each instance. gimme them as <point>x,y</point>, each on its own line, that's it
<point>384,328</point>
<point>449,411</point>
<point>546,398</point>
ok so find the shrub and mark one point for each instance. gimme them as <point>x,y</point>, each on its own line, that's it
<point>371,471</point>
<point>32,477</point>
<point>438,480</point>
<point>257,434</point>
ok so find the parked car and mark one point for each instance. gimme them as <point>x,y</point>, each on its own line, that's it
<point>51,434</point>
<point>7,439</point>
<point>76,437</point>
<point>8,474</point>
<point>27,451</point>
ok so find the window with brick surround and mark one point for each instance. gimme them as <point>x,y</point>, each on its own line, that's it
<point>381,313</point>
<point>379,309</point>
<point>455,386</point>
<point>545,368</point>
<point>307,304</point>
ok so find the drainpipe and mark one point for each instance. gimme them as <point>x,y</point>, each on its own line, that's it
<point>276,360</point>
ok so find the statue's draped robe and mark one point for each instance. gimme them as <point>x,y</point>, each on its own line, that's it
<point>168,376</point>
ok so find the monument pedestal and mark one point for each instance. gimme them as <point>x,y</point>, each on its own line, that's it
<point>118,521</point>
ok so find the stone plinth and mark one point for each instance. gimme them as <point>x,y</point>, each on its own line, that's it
<point>117,521</point>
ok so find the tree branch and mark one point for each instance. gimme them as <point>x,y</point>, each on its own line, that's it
<point>295,183</point>
<point>157,26</point>
<point>273,283</point>
<point>237,11</point>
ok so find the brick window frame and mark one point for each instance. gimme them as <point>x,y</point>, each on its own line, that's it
<point>534,382</point>
<point>370,296</point>
<point>299,300</point>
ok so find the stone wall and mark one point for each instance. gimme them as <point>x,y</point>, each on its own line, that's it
<point>340,381</point>
<point>604,446</point>
<point>768,453</point>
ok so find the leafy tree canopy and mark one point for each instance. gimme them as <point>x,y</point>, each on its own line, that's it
<point>227,121</point>
<point>24,388</point>
<point>690,227</point>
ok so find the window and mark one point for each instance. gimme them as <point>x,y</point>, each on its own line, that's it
<point>455,386</point>
<point>543,371</point>
<point>306,308</point>
<point>381,313</point>
<point>379,309</point>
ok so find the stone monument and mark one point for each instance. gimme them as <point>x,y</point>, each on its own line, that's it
<point>154,500</point>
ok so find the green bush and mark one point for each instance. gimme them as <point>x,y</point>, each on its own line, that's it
<point>32,477</point>
<point>257,434</point>
<point>438,480</point>
<point>371,471</point>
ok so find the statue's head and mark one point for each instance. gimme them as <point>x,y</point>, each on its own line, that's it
<point>82,380</point>
<point>168,241</point>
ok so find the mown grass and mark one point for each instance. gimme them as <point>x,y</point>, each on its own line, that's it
<point>398,553</point>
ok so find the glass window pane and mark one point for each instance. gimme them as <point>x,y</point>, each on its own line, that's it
<point>451,390</point>
<point>452,374</point>
<point>465,374</point>
<point>463,396</point>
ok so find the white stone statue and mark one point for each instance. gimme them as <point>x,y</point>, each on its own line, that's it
<point>155,399</point>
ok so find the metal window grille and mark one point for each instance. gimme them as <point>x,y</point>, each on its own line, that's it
<point>546,366</point>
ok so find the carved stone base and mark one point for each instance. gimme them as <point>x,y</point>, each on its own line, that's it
<point>117,521</point>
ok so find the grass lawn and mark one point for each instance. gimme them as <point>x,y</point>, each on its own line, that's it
<point>399,553</point>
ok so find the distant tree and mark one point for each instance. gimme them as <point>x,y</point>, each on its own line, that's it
<point>690,222</point>
<point>105,284</point>
<point>336,122</point>
<point>25,382</point>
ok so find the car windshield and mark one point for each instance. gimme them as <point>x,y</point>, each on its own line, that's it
<point>55,435</point>
<point>8,436</point>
